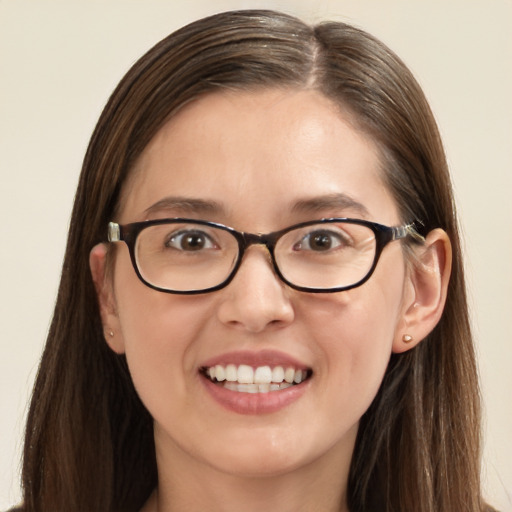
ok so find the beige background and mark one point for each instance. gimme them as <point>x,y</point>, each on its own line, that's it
<point>60,60</point>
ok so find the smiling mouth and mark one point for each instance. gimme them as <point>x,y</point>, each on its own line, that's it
<point>262,379</point>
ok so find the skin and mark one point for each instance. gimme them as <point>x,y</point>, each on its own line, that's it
<point>256,155</point>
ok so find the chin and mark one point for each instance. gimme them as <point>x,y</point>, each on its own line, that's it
<point>262,454</point>
<point>265,465</point>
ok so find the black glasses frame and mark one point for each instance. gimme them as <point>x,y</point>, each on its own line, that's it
<point>128,234</point>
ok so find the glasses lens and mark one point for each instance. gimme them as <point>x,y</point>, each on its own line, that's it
<point>185,256</point>
<point>326,255</point>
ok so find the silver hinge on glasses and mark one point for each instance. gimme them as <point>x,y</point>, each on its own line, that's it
<point>400,232</point>
<point>114,233</point>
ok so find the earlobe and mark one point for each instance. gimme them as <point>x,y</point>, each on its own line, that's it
<point>426,293</point>
<point>106,299</point>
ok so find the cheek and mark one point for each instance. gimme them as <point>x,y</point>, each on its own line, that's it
<point>160,356</point>
<point>158,330</point>
<point>354,333</point>
<point>355,337</point>
<point>151,320</point>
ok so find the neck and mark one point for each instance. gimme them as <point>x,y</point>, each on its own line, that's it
<point>250,495</point>
<point>186,484</point>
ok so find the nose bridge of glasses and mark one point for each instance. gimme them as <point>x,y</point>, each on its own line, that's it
<point>267,240</point>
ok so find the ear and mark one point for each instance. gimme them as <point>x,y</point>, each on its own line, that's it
<point>425,291</point>
<point>106,299</point>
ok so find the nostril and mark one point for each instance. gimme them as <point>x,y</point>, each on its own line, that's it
<point>255,310</point>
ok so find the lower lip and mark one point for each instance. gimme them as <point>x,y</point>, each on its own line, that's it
<point>255,403</point>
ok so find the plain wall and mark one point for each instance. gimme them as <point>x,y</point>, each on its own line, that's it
<point>59,61</point>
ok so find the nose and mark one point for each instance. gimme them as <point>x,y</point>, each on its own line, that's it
<point>256,299</point>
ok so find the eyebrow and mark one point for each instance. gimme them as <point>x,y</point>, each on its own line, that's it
<point>189,205</point>
<point>186,205</point>
<point>329,202</point>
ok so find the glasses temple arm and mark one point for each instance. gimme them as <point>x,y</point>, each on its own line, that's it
<point>407,230</point>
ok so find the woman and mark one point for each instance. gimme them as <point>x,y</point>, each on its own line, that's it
<point>188,365</point>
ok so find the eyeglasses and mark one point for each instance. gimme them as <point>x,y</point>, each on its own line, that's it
<point>188,256</point>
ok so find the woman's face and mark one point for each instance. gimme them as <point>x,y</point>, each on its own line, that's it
<point>258,162</point>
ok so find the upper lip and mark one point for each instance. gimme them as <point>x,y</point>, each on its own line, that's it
<point>255,359</point>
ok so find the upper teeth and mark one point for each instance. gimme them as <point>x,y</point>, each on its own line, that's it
<point>245,374</point>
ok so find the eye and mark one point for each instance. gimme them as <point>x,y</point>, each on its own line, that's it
<point>321,241</point>
<point>190,241</point>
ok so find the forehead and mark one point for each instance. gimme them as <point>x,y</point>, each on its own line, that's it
<point>259,152</point>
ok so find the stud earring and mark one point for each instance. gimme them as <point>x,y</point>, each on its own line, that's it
<point>407,338</point>
<point>110,332</point>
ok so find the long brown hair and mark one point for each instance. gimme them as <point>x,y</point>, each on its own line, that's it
<point>89,440</point>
